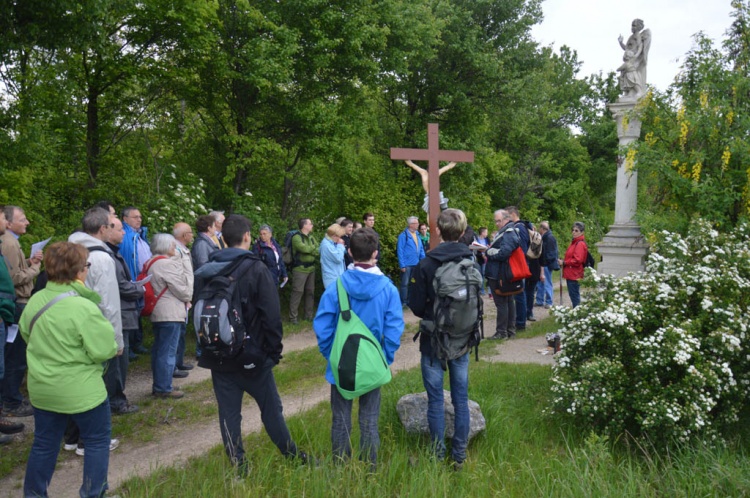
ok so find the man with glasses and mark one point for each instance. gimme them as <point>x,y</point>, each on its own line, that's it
<point>305,250</point>
<point>135,251</point>
<point>22,271</point>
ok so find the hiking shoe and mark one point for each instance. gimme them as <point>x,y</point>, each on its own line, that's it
<point>8,427</point>
<point>5,439</point>
<point>113,444</point>
<point>126,409</point>
<point>70,447</point>
<point>458,466</point>
<point>23,410</point>
<point>185,366</point>
<point>168,395</point>
<point>530,319</point>
<point>498,337</point>
<point>179,374</point>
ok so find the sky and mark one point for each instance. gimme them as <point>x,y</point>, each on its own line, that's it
<point>591,28</point>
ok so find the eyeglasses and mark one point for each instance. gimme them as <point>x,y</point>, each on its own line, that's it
<point>575,230</point>
<point>88,265</point>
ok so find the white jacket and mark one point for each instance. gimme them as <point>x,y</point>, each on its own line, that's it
<point>102,279</point>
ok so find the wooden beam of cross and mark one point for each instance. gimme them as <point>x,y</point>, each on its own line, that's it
<point>433,155</point>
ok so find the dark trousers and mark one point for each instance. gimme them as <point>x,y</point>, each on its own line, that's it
<point>229,389</point>
<point>15,368</point>
<point>505,326</point>
<point>521,309</point>
<point>115,377</point>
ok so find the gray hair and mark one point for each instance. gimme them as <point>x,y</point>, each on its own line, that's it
<point>161,243</point>
<point>580,226</point>
<point>216,214</point>
<point>412,219</point>
<point>94,219</point>
<point>544,225</point>
<point>265,227</point>
<point>10,211</point>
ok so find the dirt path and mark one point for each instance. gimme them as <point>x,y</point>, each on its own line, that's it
<point>175,448</point>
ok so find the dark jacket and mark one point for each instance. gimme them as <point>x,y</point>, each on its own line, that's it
<point>549,251</point>
<point>505,243</point>
<point>260,308</point>
<point>7,293</point>
<point>421,291</point>
<point>130,292</point>
<point>523,233</point>
<point>266,254</point>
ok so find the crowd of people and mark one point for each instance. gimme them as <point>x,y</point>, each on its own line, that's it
<point>78,355</point>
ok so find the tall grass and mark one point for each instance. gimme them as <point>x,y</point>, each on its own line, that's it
<point>522,453</point>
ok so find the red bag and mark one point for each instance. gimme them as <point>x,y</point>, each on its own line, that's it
<point>149,297</point>
<point>518,266</point>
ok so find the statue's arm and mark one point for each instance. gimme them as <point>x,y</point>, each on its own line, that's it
<point>416,168</point>
<point>445,168</point>
<point>619,39</point>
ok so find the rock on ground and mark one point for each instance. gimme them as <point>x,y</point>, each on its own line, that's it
<point>412,410</point>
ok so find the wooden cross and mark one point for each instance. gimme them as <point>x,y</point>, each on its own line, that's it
<point>433,155</point>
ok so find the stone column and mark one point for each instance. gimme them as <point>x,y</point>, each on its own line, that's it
<point>624,249</point>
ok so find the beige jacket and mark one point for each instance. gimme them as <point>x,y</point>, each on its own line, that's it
<point>20,271</point>
<point>172,305</point>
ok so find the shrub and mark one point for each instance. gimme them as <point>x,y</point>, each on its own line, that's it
<point>661,354</point>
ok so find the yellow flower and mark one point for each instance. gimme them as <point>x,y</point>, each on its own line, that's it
<point>682,170</point>
<point>630,161</point>
<point>650,140</point>
<point>704,100</point>
<point>697,171</point>
<point>681,113</point>
<point>683,134</point>
<point>730,117</point>
<point>725,157</point>
<point>676,163</point>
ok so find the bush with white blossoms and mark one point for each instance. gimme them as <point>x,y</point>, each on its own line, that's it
<point>182,198</point>
<point>664,354</point>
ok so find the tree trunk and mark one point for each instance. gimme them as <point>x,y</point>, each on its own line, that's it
<point>92,136</point>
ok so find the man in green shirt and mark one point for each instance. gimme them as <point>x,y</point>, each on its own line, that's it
<point>305,251</point>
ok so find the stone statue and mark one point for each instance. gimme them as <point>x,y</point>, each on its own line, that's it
<point>635,59</point>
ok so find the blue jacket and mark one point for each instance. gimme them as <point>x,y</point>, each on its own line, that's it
<point>331,260</point>
<point>376,302</point>
<point>409,254</point>
<point>129,249</point>
<point>523,233</point>
<point>506,242</point>
<point>549,251</point>
<point>267,255</point>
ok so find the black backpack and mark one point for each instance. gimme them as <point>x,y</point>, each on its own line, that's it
<point>287,252</point>
<point>220,327</point>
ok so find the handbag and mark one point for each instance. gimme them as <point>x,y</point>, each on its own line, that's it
<point>518,266</point>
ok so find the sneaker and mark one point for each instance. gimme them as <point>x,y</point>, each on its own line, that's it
<point>125,409</point>
<point>547,306</point>
<point>168,395</point>
<point>70,447</point>
<point>8,427</point>
<point>498,337</point>
<point>530,319</point>
<point>23,410</point>
<point>179,374</point>
<point>185,366</point>
<point>538,305</point>
<point>113,444</point>
<point>458,466</point>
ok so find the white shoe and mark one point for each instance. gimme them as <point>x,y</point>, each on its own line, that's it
<point>113,444</point>
<point>70,447</point>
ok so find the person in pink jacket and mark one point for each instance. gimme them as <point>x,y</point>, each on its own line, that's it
<point>574,261</point>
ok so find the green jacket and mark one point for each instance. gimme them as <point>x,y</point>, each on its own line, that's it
<point>305,250</point>
<point>7,292</point>
<point>66,349</point>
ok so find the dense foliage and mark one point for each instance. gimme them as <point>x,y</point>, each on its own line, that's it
<point>662,354</point>
<point>295,102</point>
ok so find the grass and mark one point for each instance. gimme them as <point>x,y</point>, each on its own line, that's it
<point>521,453</point>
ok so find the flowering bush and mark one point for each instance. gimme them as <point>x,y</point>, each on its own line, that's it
<point>182,198</point>
<point>663,353</point>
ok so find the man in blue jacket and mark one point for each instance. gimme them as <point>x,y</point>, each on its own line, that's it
<point>410,252</point>
<point>135,250</point>
<point>375,301</point>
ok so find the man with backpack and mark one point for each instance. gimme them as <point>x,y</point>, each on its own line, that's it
<point>243,362</point>
<point>375,300</point>
<point>304,251</point>
<point>442,346</point>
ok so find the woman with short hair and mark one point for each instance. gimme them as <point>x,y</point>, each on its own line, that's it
<point>574,262</point>
<point>332,254</point>
<point>174,290</point>
<point>269,251</point>
<point>68,340</point>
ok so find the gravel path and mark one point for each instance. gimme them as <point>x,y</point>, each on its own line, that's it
<point>175,448</point>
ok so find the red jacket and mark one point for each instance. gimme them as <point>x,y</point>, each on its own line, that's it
<point>575,258</point>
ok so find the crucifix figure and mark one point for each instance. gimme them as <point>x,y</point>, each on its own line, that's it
<point>431,177</point>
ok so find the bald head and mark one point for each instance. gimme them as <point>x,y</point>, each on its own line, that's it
<point>183,233</point>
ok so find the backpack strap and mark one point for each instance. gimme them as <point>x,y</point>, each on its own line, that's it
<point>47,306</point>
<point>344,304</point>
<point>147,267</point>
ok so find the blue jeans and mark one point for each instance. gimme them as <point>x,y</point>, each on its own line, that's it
<point>95,427</point>
<point>229,388</point>
<point>341,425</point>
<point>164,354</point>
<point>521,309</point>
<point>544,290</point>
<point>432,377</point>
<point>574,291</point>
<point>403,290</point>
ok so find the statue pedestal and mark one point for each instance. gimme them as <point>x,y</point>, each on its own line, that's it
<point>624,249</point>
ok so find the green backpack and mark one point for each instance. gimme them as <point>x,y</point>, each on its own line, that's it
<point>357,359</point>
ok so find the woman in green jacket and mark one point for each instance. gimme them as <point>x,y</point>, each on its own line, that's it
<point>68,340</point>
